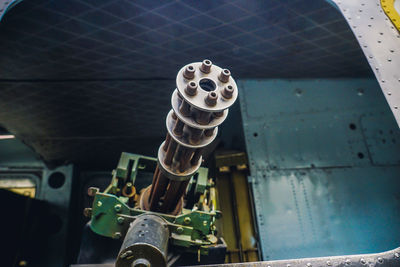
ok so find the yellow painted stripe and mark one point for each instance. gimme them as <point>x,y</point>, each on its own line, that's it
<point>391,12</point>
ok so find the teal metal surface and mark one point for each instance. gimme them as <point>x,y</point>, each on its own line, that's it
<point>14,153</point>
<point>325,166</point>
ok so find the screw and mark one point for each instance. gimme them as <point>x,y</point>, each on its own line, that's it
<point>179,230</point>
<point>120,220</point>
<point>117,235</point>
<point>362,261</point>
<point>211,99</point>
<point>92,191</point>
<point>380,260</point>
<point>189,72</point>
<point>206,66</point>
<point>228,91</point>
<point>191,88</point>
<point>87,212</point>
<point>187,220</point>
<point>117,207</point>
<point>224,76</point>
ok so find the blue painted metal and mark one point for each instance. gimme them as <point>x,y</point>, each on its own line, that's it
<point>324,181</point>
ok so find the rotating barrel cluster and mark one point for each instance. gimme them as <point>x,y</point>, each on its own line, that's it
<point>199,104</point>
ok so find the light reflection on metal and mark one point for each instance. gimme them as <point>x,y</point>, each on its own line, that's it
<point>7,136</point>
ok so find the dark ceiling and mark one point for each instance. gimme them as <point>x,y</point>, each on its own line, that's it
<point>84,80</point>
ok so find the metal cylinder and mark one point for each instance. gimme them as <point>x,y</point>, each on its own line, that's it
<point>145,243</point>
<point>204,92</point>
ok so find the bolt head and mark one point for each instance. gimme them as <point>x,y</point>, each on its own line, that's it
<point>187,220</point>
<point>92,191</point>
<point>117,207</point>
<point>117,235</point>
<point>87,212</point>
<point>120,220</point>
<point>179,230</point>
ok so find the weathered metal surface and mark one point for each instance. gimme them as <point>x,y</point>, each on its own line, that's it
<point>380,41</point>
<point>389,258</point>
<point>385,259</point>
<point>324,181</point>
<point>192,227</point>
<point>146,243</point>
<point>199,105</point>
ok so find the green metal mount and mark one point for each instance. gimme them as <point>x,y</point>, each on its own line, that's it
<point>193,230</point>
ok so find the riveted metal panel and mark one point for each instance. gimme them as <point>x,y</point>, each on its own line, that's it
<point>379,40</point>
<point>310,213</point>
<point>323,181</point>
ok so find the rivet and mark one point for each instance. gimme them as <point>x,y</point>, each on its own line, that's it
<point>308,264</point>
<point>99,203</point>
<point>348,261</point>
<point>380,260</point>
<point>363,261</point>
<point>120,220</point>
<point>117,235</point>
<point>187,220</point>
<point>179,230</point>
<point>205,223</point>
<point>329,263</point>
<point>117,207</point>
<point>396,255</point>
